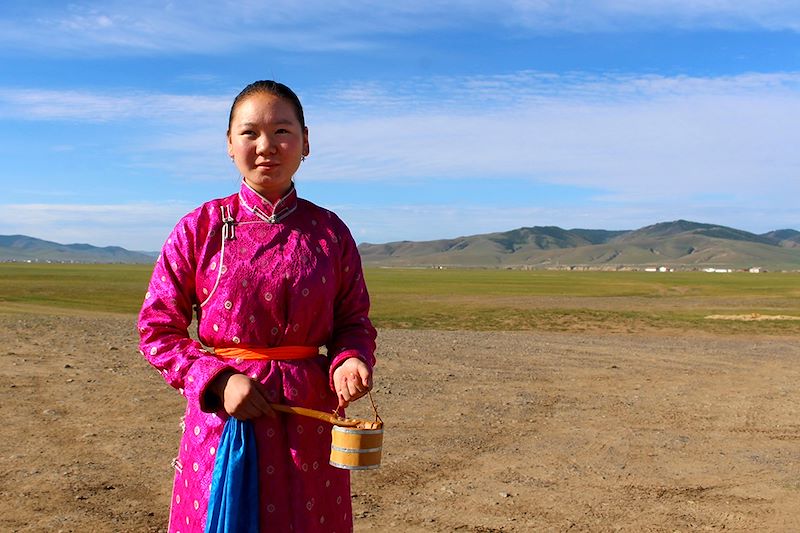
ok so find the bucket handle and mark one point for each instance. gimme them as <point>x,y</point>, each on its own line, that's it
<point>332,418</point>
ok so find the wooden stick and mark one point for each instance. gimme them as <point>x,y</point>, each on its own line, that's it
<point>319,415</point>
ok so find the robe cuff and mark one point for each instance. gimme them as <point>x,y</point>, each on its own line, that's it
<point>340,358</point>
<point>202,373</point>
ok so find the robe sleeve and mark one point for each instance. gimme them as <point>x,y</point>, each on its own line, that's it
<point>165,318</point>
<point>353,332</point>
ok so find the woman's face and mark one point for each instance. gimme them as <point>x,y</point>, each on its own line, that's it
<point>266,142</point>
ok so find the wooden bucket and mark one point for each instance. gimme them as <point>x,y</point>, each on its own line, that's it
<point>356,449</point>
<point>355,444</point>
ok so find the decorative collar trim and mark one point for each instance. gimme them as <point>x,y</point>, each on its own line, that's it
<point>266,210</point>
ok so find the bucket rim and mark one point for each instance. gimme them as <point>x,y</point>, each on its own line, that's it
<point>355,431</point>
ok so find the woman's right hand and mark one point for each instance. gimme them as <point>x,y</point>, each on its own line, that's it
<point>242,397</point>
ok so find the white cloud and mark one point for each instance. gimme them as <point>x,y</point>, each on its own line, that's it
<point>91,106</point>
<point>632,136</point>
<point>659,147</point>
<point>141,226</point>
<point>149,27</point>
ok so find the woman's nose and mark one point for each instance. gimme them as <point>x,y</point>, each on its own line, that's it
<point>265,145</point>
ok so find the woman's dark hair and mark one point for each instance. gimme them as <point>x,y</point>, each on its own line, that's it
<point>270,87</point>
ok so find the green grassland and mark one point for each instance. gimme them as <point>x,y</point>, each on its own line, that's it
<point>474,299</point>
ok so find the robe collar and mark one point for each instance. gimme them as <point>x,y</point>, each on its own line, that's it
<point>263,208</point>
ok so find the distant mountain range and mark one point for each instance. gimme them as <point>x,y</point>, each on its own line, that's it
<point>680,244</point>
<point>22,249</point>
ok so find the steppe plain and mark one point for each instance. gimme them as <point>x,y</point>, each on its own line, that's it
<point>589,413</point>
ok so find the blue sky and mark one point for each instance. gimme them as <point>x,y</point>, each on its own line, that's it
<point>427,119</point>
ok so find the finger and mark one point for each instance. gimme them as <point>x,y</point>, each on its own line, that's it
<point>366,376</point>
<point>343,402</point>
<point>259,402</point>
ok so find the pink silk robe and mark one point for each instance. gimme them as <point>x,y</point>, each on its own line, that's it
<point>281,275</point>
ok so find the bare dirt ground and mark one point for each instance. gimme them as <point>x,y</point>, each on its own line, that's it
<point>484,431</point>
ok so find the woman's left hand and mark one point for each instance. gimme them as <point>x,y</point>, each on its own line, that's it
<point>352,380</point>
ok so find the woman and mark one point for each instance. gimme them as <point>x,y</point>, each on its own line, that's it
<point>262,269</point>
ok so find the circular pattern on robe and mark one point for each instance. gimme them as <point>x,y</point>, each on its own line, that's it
<point>327,483</point>
<point>334,238</point>
<point>268,296</point>
<point>270,433</point>
<point>244,283</point>
<point>174,265</point>
<point>213,265</point>
<point>309,504</point>
<point>197,430</point>
<point>195,467</point>
<point>205,291</point>
<point>177,498</point>
<point>235,340</point>
<point>270,508</point>
<point>215,327</point>
<point>320,429</point>
<point>153,350</point>
<point>251,318</point>
<point>338,500</point>
<point>305,467</point>
<point>228,304</point>
<point>223,269</point>
<point>313,222</point>
<point>212,451</point>
<point>163,278</point>
<point>324,280</point>
<point>347,269</point>
<point>300,430</point>
<point>147,294</point>
<point>305,292</point>
<point>196,505</point>
<point>321,519</point>
<point>274,331</point>
<point>295,327</point>
<point>315,466</point>
<point>270,470</point>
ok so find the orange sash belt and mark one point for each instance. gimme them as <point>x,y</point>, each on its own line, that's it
<point>279,352</point>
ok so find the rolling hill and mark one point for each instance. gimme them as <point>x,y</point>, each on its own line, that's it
<point>22,248</point>
<point>680,244</point>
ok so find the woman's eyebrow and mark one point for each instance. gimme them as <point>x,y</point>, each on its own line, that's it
<point>281,121</point>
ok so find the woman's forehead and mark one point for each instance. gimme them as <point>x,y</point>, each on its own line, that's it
<point>262,107</point>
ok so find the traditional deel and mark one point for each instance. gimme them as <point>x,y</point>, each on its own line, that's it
<point>259,275</point>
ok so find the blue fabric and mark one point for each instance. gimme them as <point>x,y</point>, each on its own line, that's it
<point>233,505</point>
